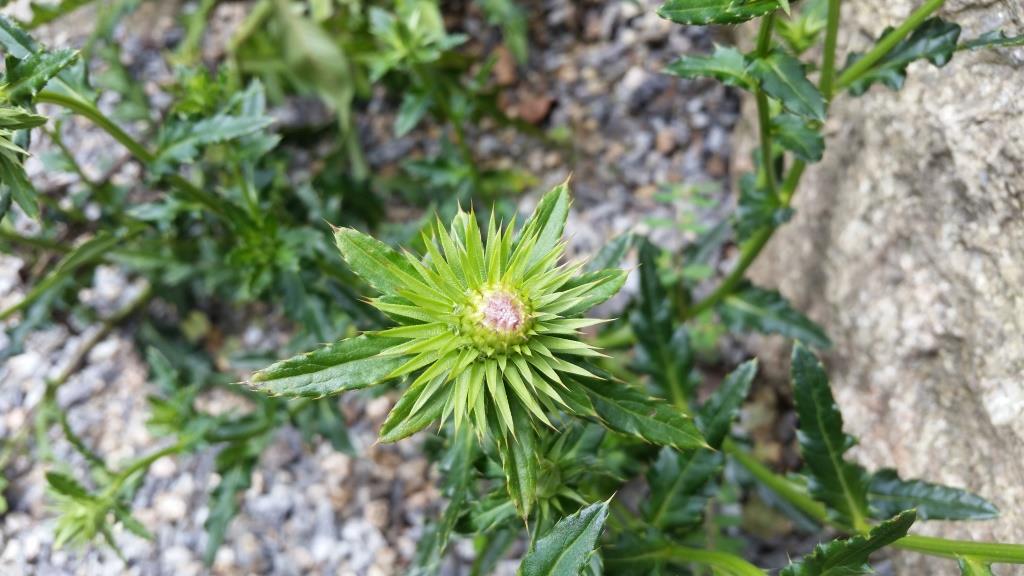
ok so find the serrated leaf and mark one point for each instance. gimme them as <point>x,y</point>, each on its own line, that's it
<point>974,567</point>
<point>849,557</point>
<point>349,364</point>
<point>66,485</point>
<point>629,411</point>
<point>678,484</point>
<point>605,284</point>
<point>414,107</point>
<point>16,185</point>
<point>796,135</point>
<point>888,495</point>
<point>567,547</point>
<point>840,485</point>
<point>547,222</point>
<point>611,254</point>
<point>993,39</point>
<point>374,261</point>
<point>700,12</point>
<point>758,208</point>
<point>663,349</point>
<point>716,415</point>
<point>934,40</point>
<point>782,77</point>
<point>25,77</point>
<point>182,141</point>
<point>726,64</point>
<point>19,119</point>
<point>766,311</point>
<point>519,462</point>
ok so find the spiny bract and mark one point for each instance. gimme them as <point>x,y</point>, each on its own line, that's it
<point>489,324</point>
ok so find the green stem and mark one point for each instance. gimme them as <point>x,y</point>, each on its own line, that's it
<point>764,123</point>
<point>722,562</point>
<point>887,43</point>
<point>798,497</point>
<point>748,253</point>
<point>88,110</point>
<point>828,64</point>
<point>140,464</point>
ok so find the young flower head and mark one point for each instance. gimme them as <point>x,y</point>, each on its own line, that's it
<point>488,321</point>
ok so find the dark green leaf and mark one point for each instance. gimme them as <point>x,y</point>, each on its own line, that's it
<point>376,262</point>
<point>934,40</point>
<point>323,418</point>
<point>993,39</point>
<point>414,107</point>
<point>840,485</point>
<point>345,365</point>
<point>611,254</point>
<point>16,185</point>
<point>701,12</point>
<point>567,547</point>
<point>783,78</point>
<point>716,415</point>
<point>663,349</point>
<point>625,409</point>
<point>849,557</point>
<point>26,77</point>
<point>974,567</point>
<point>519,461</point>
<point>726,64</point>
<point>766,311</point>
<point>758,208</point>
<point>796,135</point>
<point>66,485</point>
<point>234,464</point>
<point>678,484</point>
<point>888,495</point>
<point>19,119</point>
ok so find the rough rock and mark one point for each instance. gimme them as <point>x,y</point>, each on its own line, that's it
<point>908,247</point>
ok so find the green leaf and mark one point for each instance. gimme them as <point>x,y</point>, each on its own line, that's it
<point>567,547</point>
<point>934,40</point>
<point>414,107</point>
<point>796,135</point>
<point>753,308</point>
<point>758,208</point>
<point>802,29</point>
<point>782,77</point>
<point>888,495</point>
<point>606,283</point>
<point>3,501</point>
<point>16,185</point>
<point>993,39</point>
<point>520,463</point>
<point>726,64</point>
<point>402,422</point>
<point>974,567</point>
<point>678,484</point>
<point>458,473</point>
<point>66,485</point>
<point>547,222</point>
<point>19,119</point>
<point>349,364</point>
<point>629,411</point>
<point>840,485</point>
<point>663,349</point>
<point>234,464</point>
<point>849,557</point>
<point>716,415</point>
<point>702,12</point>
<point>26,77</point>
<point>611,254</point>
<point>376,262</point>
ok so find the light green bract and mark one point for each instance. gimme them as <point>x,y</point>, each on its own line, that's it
<point>488,327</point>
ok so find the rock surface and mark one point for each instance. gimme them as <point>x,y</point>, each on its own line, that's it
<point>908,247</point>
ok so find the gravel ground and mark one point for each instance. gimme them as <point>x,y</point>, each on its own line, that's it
<point>594,68</point>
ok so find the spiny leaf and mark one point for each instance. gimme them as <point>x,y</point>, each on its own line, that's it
<point>840,485</point>
<point>716,415</point>
<point>567,547</point>
<point>66,485</point>
<point>403,421</point>
<point>547,222</point>
<point>701,12</point>
<point>376,262</point>
<point>678,484</point>
<point>796,135</point>
<point>849,557</point>
<point>519,461</point>
<point>753,308</point>
<point>726,64</point>
<point>934,40</point>
<point>605,284</point>
<point>783,78</point>
<point>26,77</point>
<point>625,409</point>
<point>888,495</point>
<point>611,254</point>
<point>345,365</point>
<point>993,39</point>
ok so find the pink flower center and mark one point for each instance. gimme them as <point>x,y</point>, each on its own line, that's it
<point>502,312</point>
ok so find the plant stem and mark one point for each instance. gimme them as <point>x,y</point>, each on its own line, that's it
<point>828,65</point>
<point>764,123</point>
<point>887,43</point>
<point>798,497</point>
<point>724,563</point>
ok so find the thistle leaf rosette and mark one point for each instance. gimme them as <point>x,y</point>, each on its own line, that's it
<point>488,320</point>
